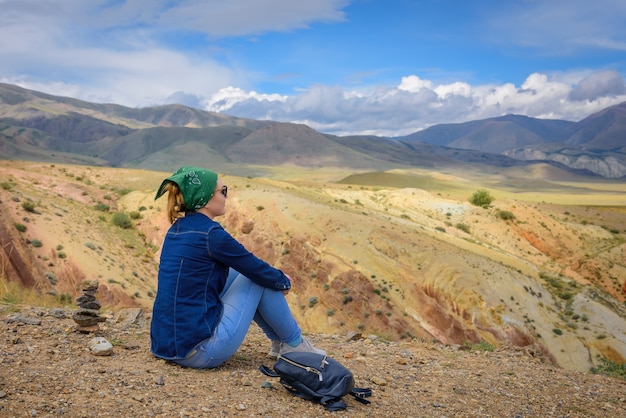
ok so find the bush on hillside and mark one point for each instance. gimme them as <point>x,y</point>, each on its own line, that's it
<point>506,215</point>
<point>122,220</point>
<point>481,198</point>
<point>103,207</point>
<point>29,206</point>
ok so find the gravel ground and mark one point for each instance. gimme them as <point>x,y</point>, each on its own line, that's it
<point>47,369</point>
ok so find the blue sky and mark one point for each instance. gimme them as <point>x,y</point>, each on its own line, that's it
<point>383,67</point>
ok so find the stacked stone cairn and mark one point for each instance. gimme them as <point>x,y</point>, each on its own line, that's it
<point>88,314</point>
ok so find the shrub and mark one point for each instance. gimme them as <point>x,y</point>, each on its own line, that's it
<point>463,227</point>
<point>65,299</point>
<point>36,243</point>
<point>103,207</point>
<point>50,276</point>
<point>481,198</point>
<point>610,368</point>
<point>122,220</point>
<point>20,227</point>
<point>506,215</point>
<point>29,206</point>
<point>312,301</point>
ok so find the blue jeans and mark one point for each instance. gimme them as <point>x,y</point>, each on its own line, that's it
<point>244,301</point>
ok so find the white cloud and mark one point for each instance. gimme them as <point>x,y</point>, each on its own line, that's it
<point>417,103</point>
<point>227,97</point>
<point>455,89</point>
<point>599,84</point>
<point>414,84</point>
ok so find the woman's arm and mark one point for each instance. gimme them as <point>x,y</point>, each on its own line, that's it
<point>227,250</point>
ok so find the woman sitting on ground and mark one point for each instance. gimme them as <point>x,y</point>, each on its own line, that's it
<point>210,288</point>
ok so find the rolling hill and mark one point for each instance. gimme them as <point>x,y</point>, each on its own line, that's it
<point>596,143</point>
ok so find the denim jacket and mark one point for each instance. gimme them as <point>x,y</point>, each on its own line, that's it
<point>196,255</point>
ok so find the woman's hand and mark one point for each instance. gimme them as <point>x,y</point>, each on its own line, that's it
<point>286,291</point>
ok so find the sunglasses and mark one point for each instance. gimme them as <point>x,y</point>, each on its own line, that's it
<point>224,190</point>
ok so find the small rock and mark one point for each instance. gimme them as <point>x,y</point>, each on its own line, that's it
<point>25,320</point>
<point>159,380</point>
<point>87,320</point>
<point>92,304</point>
<point>130,316</point>
<point>266,385</point>
<point>379,381</point>
<point>459,390</point>
<point>85,298</point>
<point>87,330</point>
<point>58,313</point>
<point>90,286</point>
<point>354,336</point>
<point>101,347</point>
<point>406,354</point>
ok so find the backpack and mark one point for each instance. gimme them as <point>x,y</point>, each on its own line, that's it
<point>317,378</point>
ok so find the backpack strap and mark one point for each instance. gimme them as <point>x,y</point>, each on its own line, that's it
<point>331,405</point>
<point>335,406</point>
<point>268,372</point>
<point>360,394</point>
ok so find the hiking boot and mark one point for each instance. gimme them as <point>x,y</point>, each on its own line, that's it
<point>305,346</point>
<point>275,350</point>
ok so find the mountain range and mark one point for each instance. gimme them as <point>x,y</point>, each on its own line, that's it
<point>42,127</point>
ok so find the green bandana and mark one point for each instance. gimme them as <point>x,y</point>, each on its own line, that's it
<point>196,184</point>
